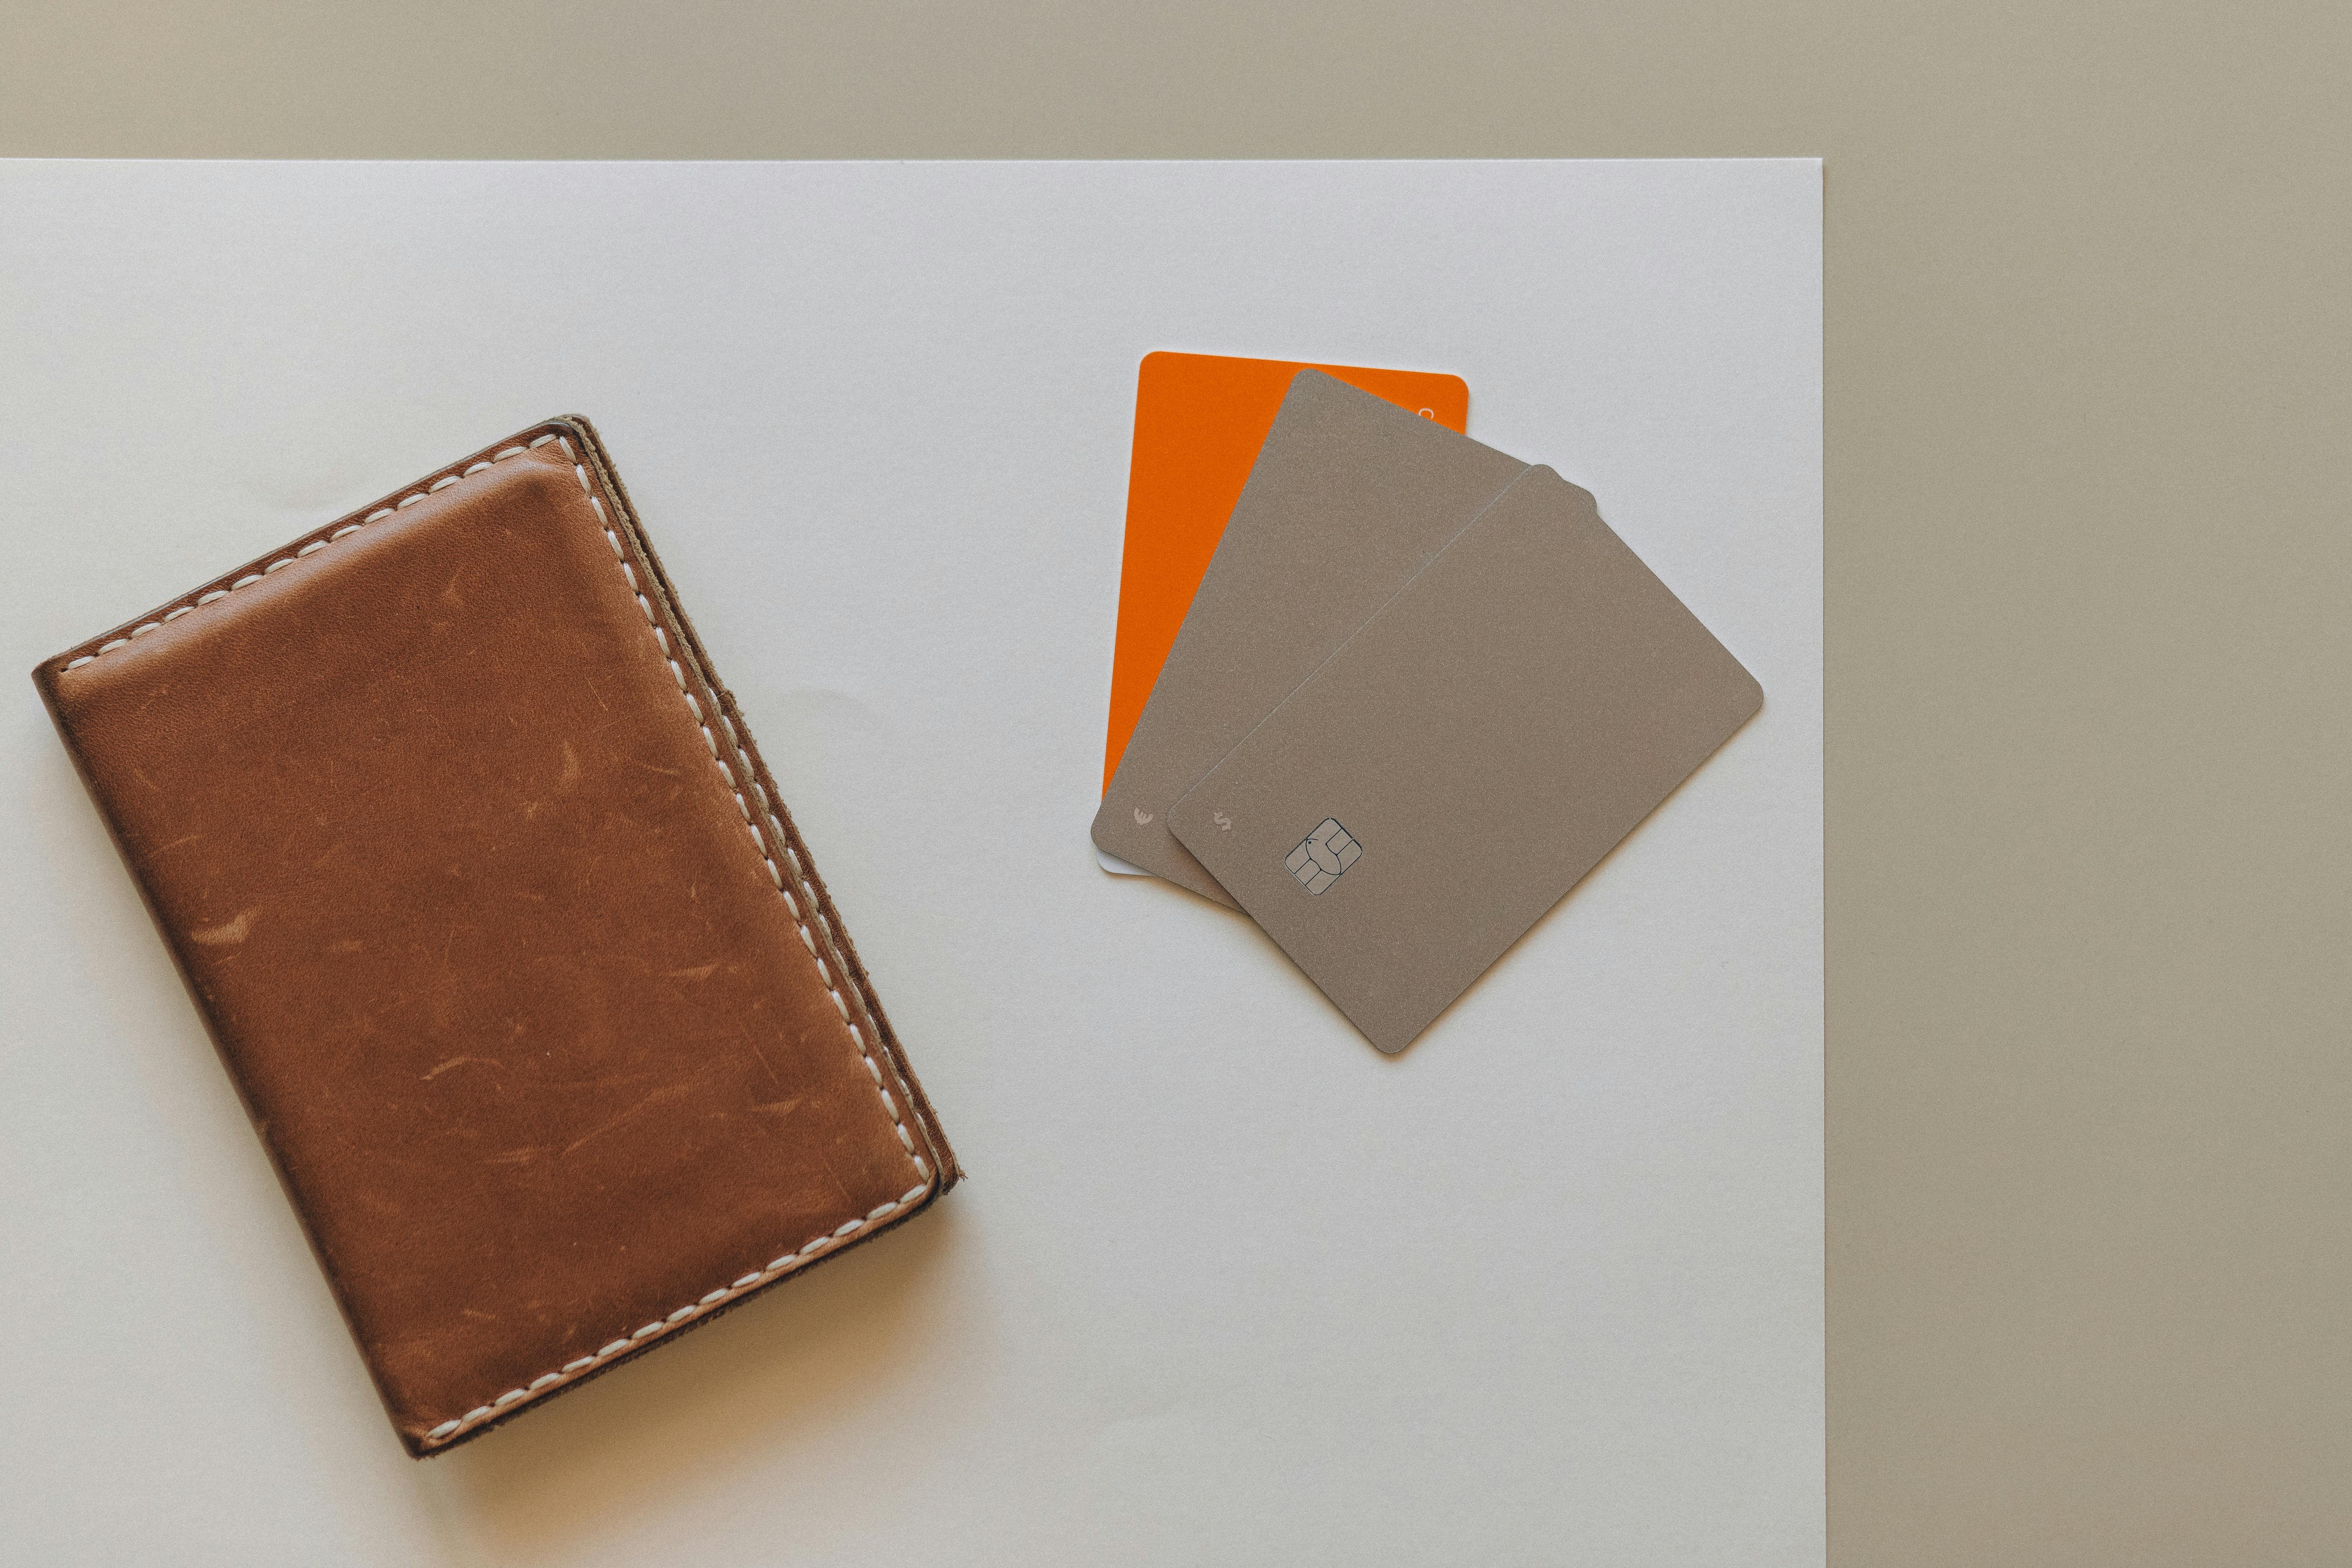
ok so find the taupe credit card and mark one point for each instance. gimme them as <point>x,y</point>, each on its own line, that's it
<point>1349,498</point>
<point>1453,769</point>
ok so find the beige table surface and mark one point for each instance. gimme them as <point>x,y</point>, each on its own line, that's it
<point>2090,1189</point>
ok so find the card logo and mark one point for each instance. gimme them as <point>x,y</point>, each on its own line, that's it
<point>1322,856</point>
<point>1141,816</point>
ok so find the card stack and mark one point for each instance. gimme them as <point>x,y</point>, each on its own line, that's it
<point>1401,696</point>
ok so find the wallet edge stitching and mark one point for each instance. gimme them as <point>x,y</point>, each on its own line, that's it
<point>735,784</point>
<point>295,554</point>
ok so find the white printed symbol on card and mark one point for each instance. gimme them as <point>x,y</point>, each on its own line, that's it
<point>1322,855</point>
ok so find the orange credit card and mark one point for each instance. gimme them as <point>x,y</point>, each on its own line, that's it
<point>1199,422</point>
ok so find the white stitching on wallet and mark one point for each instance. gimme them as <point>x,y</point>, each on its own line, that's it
<point>308,549</point>
<point>789,1261</point>
<point>834,1238</point>
<point>711,741</point>
<point>833,942</point>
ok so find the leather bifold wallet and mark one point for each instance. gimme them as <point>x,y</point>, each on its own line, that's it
<point>525,977</point>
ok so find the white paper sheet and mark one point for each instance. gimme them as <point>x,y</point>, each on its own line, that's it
<point>1225,1286</point>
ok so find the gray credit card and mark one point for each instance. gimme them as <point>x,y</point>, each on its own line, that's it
<point>1351,496</point>
<point>1446,775</point>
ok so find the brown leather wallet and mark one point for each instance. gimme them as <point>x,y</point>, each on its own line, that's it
<point>527,980</point>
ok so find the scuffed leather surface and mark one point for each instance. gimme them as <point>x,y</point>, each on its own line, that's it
<point>484,938</point>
